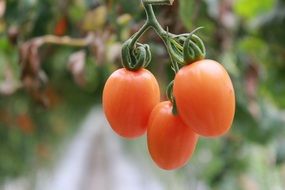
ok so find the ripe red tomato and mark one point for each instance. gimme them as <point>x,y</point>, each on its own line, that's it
<point>128,99</point>
<point>170,142</point>
<point>205,97</point>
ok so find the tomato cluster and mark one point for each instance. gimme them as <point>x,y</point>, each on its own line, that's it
<point>204,98</point>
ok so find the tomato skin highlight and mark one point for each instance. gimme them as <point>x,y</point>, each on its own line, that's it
<point>170,142</point>
<point>128,99</point>
<point>205,97</point>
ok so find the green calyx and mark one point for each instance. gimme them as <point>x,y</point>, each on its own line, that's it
<point>185,48</point>
<point>175,49</point>
<point>193,48</point>
<point>170,96</point>
<point>135,57</point>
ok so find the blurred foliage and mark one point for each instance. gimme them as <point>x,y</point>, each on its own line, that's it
<point>44,99</point>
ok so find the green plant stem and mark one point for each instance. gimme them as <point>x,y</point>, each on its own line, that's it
<point>159,2</point>
<point>164,35</point>
<point>152,22</point>
<point>138,34</point>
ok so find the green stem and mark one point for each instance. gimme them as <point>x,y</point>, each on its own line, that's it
<point>164,35</point>
<point>150,22</point>
<point>137,35</point>
<point>159,2</point>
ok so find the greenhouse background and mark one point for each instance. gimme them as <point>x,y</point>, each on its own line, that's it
<point>55,56</point>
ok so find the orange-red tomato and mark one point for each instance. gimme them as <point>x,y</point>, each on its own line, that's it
<point>128,99</point>
<point>205,97</point>
<point>170,142</point>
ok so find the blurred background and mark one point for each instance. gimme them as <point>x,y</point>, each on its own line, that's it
<point>55,56</point>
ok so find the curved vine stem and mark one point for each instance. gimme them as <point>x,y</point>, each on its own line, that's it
<point>151,22</point>
<point>138,34</point>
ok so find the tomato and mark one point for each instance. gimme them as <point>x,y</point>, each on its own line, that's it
<point>170,142</point>
<point>205,97</point>
<point>128,99</point>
